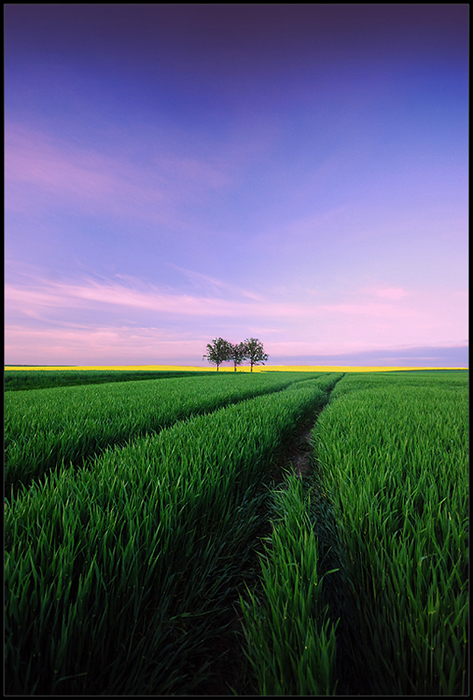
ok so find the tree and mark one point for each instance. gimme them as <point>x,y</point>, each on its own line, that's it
<point>218,351</point>
<point>239,353</point>
<point>255,352</point>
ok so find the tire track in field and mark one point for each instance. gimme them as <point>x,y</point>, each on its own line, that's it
<point>301,457</point>
<point>231,672</point>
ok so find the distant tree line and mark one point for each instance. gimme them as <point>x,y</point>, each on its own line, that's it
<point>220,350</point>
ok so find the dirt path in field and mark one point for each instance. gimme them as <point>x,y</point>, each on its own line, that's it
<point>233,670</point>
<point>299,453</point>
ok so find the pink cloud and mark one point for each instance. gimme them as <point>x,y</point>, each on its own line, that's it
<point>38,166</point>
<point>124,317</point>
<point>90,293</point>
<point>213,284</point>
<point>382,310</point>
<point>39,293</point>
<point>121,345</point>
<point>392,293</point>
<point>114,345</point>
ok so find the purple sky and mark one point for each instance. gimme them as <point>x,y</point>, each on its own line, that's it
<point>294,173</point>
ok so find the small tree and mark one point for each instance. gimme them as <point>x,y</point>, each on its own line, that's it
<point>239,353</point>
<point>218,351</point>
<point>255,352</point>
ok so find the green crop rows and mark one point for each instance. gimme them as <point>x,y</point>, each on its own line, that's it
<point>119,576</point>
<point>125,574</point>
<point>393,452</point>
<point>51,428</point>
<point>19,380</point>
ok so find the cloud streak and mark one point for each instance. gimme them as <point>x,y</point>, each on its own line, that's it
<point>44,294</point>
<point>76,314</point>
<point>393,293</point>
<point>107,345</point>
<point>56,295</point>
<point>122,345</point>
<point>52,170</point>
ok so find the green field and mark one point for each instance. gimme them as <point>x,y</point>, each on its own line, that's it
<point>18,380</point>
<point>56,428</point>
<point>154,544</point>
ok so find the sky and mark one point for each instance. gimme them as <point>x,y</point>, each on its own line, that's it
<point>292,173</point>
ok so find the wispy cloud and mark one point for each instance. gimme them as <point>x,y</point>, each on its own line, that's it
<point>41,293</point>
<point>212,284</point>
<point>98,345</point>
<point>379,310</point>
<point>125,313</point>
<point>44,294</point>
<point>392,293</point>
<point>122,345</point>
<point>42,170</point>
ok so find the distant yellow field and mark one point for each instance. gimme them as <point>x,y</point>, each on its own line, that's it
<point>273,368</point>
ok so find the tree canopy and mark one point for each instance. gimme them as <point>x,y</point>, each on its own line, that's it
<point>239,353</point>
<point>220,350</point>
<point>255,352</point>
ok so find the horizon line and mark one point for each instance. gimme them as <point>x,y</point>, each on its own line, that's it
<point>256,368</point>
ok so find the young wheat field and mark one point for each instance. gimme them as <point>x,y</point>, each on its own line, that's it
<point>158,540</point>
